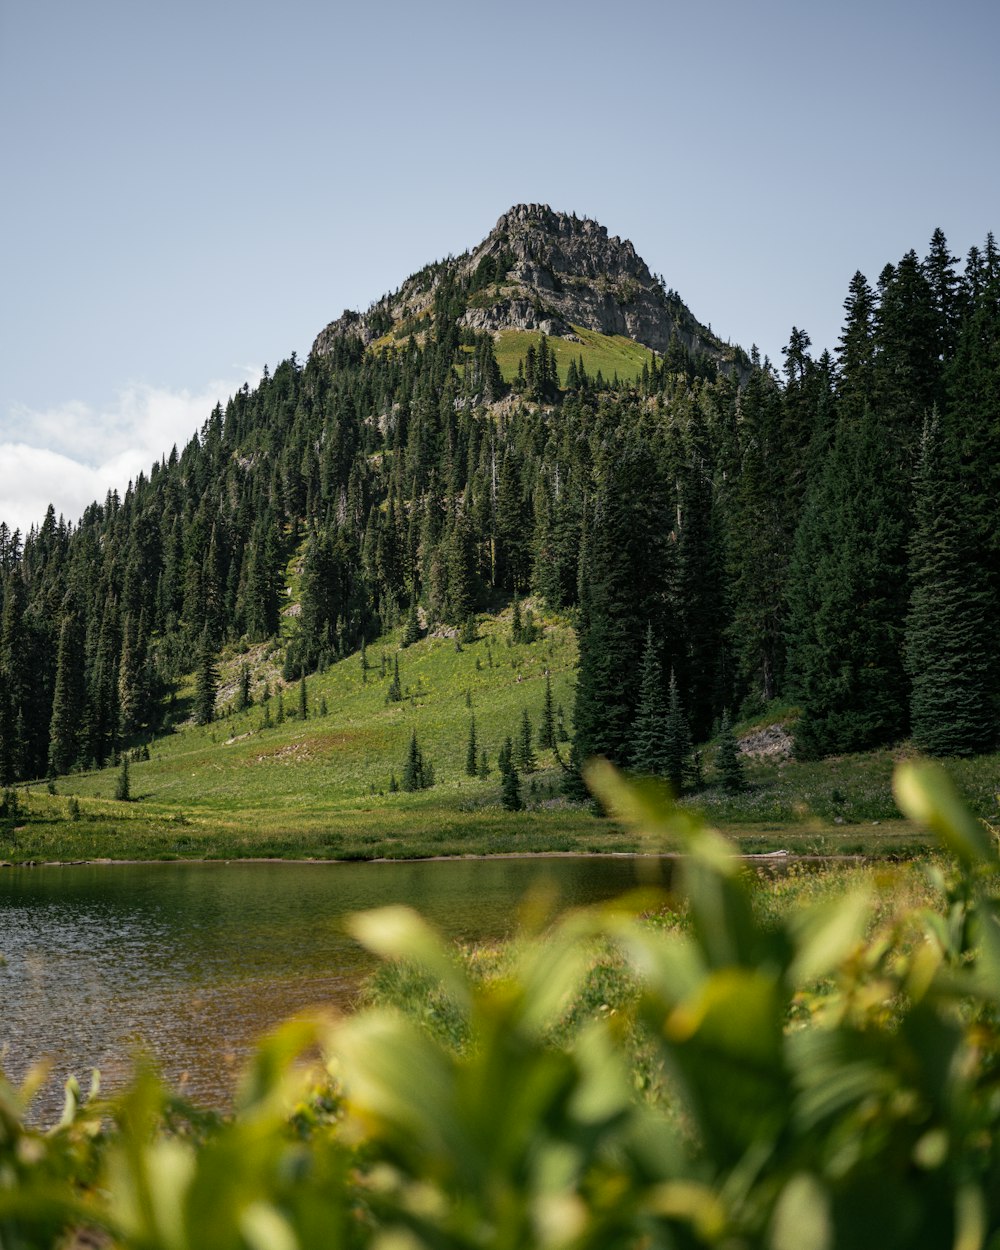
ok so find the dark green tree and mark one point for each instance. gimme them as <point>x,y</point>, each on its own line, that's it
<point>650,735</point>
<point>678,739</point>
<point>68,700</point>
<point>510,790</point>
<point>395,689</point>
<point>847,599</point>
<point>411,626</point>
<point>616,606</point>
<point>524,754</point>
<point>206,682</point>
<point>243,696</point>
<point>952,612</point>
<point>728,764</point>
<point>418,773</point>
<point>547,725</point>
<point>471,756</point>
<point>122,786</point>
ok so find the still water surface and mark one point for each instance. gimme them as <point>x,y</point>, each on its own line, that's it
<point>193,961</point>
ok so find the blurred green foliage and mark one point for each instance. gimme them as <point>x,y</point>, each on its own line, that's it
<point>822,1085</point>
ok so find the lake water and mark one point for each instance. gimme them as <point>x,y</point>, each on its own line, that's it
<point>193,961</point>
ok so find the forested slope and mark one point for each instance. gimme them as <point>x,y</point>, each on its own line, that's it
<point>824,532</point>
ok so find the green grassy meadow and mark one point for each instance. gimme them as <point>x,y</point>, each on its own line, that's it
<point>320,787</point>
<point>607,353</point>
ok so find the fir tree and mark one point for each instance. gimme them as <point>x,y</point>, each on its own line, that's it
<point>303,699</point>
<point>411,628</point>
<point>505,757</point>
<point>122,787</point>
<point>650,737</point>
<point>678,739</point>
<point>951,613</point>
<point>243,699</point>
<point>728,764</point>
<point>510,790</point>
<point>547,728</point>
<point>67,703</point>
<point>525,753</point>
<point>395,694</point>
<point>471,759</point>
<point>847,598</point>
<point>129,681</point>
<point>516,623</point>
<point>206,683</point>
<point>418,773</point>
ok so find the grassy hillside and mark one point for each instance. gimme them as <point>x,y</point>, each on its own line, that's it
<point>609,354</point>
<point>319,787</point>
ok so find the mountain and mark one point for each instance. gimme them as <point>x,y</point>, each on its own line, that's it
<point>540,420</point>
<point>545,272</point>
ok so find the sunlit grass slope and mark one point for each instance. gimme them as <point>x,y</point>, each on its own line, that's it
<point>321,786</point>
<point>609,354</point>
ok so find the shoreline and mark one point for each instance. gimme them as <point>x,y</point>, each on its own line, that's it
<point>776,857</point>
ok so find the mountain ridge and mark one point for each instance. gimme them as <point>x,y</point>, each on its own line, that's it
<point>538,270</point>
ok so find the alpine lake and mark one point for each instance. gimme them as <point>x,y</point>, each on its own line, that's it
<point>191,962</point>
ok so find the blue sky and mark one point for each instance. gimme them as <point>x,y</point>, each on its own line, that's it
<point>192,190</point>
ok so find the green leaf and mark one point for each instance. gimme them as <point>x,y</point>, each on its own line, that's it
<point>801,1219</point>
<point>826,934</point>
<point>398,932</point>
<point>926,794</point>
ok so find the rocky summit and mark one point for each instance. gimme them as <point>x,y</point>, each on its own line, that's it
<point>545,271</point>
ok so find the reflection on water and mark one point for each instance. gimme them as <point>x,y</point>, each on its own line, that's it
<point>193,961</point>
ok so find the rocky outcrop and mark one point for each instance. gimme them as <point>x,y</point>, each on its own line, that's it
<point>545,271</point>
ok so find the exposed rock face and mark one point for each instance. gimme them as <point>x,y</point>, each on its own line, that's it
<point>544,271</point>
<point>771,742</point>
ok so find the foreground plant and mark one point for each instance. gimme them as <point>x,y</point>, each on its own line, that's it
<point>826,1088</point>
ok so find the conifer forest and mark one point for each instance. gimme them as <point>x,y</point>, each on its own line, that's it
<point>723,533</point>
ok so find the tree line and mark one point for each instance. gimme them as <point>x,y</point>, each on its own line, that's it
<point>822,532</point>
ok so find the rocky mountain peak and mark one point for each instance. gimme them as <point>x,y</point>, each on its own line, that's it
<point>542,270</point>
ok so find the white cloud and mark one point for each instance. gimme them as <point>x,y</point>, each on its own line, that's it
<point>73,454</point>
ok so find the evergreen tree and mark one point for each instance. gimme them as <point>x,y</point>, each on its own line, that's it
<point>206,682</point>
<point>728,764</point>
<point>525,753</point>
<point>547,728</point>
<point>129,683</point>
<point>677,739</point>
<point>471,758</point>
<point>699,585</point>
<point>122,786</point>
<point>395,694</point>
<point>847,597</point>
<point>67,703</point>
<point>516,623</point>
<point>510,790</point>
<point>650,737</point>
<point>953,703</point>
<point>615,605</point>
<point>418,774</point>
<point>303,699</point>
<point>460,573</point>
<point>243,697</point>
<point>411,628</point>
<point>505,758</point>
